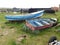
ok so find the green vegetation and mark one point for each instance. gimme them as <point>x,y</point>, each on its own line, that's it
<point>10,31</point>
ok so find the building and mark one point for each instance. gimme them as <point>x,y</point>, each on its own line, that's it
<point>56,9</point>
<point>59,7</point>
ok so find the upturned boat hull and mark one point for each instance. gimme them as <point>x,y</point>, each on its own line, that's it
<point>38,24</point>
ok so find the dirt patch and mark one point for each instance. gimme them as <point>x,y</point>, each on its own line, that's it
<point>5,33</point>
<point>21,38</point>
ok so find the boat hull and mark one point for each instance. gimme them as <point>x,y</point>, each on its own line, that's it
<point>24,17</point>
<point>45,23</point>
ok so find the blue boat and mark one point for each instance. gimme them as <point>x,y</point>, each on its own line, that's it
<point>24,17</point>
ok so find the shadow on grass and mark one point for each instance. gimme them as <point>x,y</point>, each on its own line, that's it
<point>14,23</point>
<point>36,32</point>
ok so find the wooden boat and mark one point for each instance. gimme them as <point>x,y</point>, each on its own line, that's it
<point>24,17</point>
<point>41,23</point>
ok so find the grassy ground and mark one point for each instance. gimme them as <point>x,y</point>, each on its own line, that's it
<point>10,31</point>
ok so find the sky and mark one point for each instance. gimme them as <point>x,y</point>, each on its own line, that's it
<point>29,3</point>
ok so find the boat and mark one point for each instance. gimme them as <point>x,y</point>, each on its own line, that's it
<point>24,17</point>
<point>41,23</point>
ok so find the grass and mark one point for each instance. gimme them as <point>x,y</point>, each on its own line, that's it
<point>16,29</point>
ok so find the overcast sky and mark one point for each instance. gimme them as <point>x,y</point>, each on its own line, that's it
<point>29,3</point>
